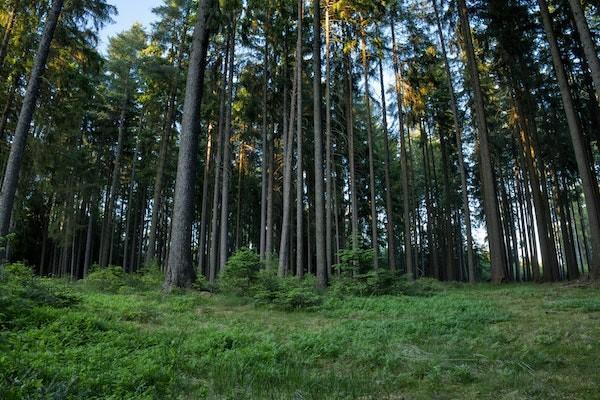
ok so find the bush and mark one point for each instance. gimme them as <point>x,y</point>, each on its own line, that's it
<point>354,261</point>
<point>383,282</point>
<point>240,273</point>
<point>109,279</point>
<point>22,295</point>
<point>288,293</point>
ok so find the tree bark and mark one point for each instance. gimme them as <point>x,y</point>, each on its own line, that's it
<point>15,158</point>
<point>299,154</point>
<point>587,42</point>
<point>12,18</point>
<point>408,259</point>
<point>589,182</point>
<point>223,240</point>
<point>459,150</point>
<point>490,200</point>
<point>179,268</point>
<point>321,271</point>
<point>373,204</point>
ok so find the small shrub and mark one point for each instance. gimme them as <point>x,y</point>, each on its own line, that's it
<point>383,282</point>
<point>109,279</point>
<point>288,293</point>
<point>354,262</point>
<point>240,272</point>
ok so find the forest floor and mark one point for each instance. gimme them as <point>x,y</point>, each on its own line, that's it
<point>465,342</point>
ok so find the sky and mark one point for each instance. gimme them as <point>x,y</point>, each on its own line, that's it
<point>130,11</point>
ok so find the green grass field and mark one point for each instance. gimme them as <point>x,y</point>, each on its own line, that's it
<point>464,342</point>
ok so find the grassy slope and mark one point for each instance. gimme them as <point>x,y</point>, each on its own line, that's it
<point>508,342</point>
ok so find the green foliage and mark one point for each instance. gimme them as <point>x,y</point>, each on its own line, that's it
<point>383,282</point>
<point>471,342</point>
<point>113,279</point>
<point>22,294</point>
<point>288,293</point>
<point>354,261</point>
<point>240,274</point>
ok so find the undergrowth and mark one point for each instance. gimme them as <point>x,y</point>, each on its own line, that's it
<point>114,336</point>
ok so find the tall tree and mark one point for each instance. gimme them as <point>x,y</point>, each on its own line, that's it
<point>17,149</point>
<point>179,268</point>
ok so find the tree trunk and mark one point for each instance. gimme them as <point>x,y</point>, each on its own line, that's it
<point>589,182</point>
<point>374,236</point>
<point>328,173</point>
<point>459,150</point>
<point>223,240</point>
<point>12,18</point>
<point>350,140</point>
<point>299,155</point>
<point>287,178</point>
<point>13,167</point>
<point>587,42</point>
<point>204,206</point>
<point>490,200</point>
<point>265,151</point>
<point>179,268</point>
<point>388,186</point>
<point>321,271</point>
<point>408,259</point>
<point>105,256</point>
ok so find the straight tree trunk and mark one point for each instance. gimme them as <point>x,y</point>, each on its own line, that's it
<point>328,173</point>
<point>587,42</point>
<point>214,238</point>
<point>179,268</point>
<point>106,256</point>
<point>321,271</point>
<point>223,240</point>
<point>350,140</point>
<point>287,179</point>
<point>126,265</point>
<point>490,200</point>
<point>459,150</point>
<point>265,151</point>
<point>374,236</point>
<point>388,186</point>
<point>89,237</point>
<point>15,158</point>
<point>204,206</point>
<point>408,259</point>
<point>12,18</point>
<point>299,154</point>
<point>589,182</point>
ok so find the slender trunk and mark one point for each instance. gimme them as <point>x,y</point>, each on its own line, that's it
<point>126,266</point>
<point>204,206</point>
<point>299,155</point>
<point>373,204</point>
<point>328,174</point>
<point>179,268</point>
<point>89,236</point>
<point>13,167</point>
<point>459,150</point>
<point>223,240</point>
<point>105,257</point>
<point>490,200</point>
<point>350,140</point>
<point>321,271</point>
<point>587,42</point>
<point>12,18</point>
<point>408,259</point>
<point>287,178</point>
<point>8,105</point>
<point>388,186</point>
<point>588,178</point>
<point>265,151</point>
<point>214,225</point>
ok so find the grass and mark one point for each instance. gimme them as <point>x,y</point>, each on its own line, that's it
<point>465,342</point>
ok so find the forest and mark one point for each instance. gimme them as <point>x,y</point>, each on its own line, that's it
<point>276,199</point>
